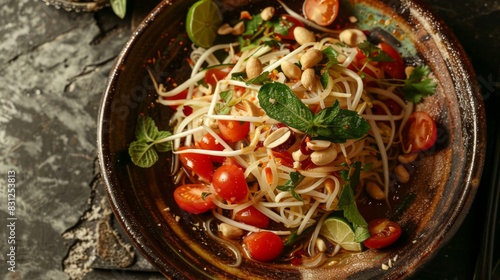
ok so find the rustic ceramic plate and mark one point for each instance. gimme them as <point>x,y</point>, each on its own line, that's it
<point>442,189</point>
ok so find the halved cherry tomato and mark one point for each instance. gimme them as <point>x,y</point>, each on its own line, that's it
<point>229,182</point>
<point>208,142</point>
<point>194,198</point>
<point>233,131</point>
<point>212,76</point>
<point>179,96</point>
<point>383,233</point>
<point>396,68</point>
<point>252,216</point>
<point>263,246</point>
<point>292,23</point>
<point>322,12</point>
<point>198,164</point>
<point>419,132</point>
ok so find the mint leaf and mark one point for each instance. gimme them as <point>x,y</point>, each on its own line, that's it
<point>146,129</point>
<point>337,124</point>
<point>280,103</point>
<point>142,154</point>
<point>331,123</point>
<point>149,141</point>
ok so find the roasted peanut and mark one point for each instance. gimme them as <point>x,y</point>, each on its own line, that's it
<point>374,191</point>
<point>311,58</point>
<point>239,28</point>
<point>324,157</point>
<point>308,78</point>
<point>291,70</point>
<point>402,174</point>
<point>407,158</point>
<point>352,37</point>
<point>267,13</point>
<point>253,67</point>
<point>225,29</point>
<point>318,145</point>
<point>303,36</point>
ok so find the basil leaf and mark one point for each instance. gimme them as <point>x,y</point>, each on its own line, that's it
<point>142,154</point>
<point>280,103</point>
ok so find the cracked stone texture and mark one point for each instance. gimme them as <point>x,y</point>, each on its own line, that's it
<point>53,70</point>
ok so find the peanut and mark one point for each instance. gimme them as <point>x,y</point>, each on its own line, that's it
<point>311,58</point>
<point>402,174</point>
<point>303,36</point>
<point>267,13</point>
<point>253,67</point>
<point>291,70</point>
<point>308,78</point>
<point>374,191</point>
<point>352,37</point>
<point>239,28</point>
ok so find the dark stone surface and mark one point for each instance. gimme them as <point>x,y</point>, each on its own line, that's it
<point>53,70</point>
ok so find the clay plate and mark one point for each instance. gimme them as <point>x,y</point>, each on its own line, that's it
<point>442,189</point>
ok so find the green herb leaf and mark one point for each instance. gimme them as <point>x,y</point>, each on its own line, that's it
<point>332,123</point>
<point>224,108</point>
<point>263,78</point>
<point>146,130</point>
<point>337,124</point>
<point>332,55</point>
<point>280,103</point>
<point>290,185</point>
<point>419,85</point>
<point>374,53</point>
<point>119,7</point>
<point>142,154</point>
<point>149,141</point>
<point>347,202</point>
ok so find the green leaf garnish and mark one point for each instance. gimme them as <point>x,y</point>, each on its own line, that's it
<point>418,85</point>
<point>119,7</point>
<point>263,78</point>
<point>149,141</point>
<point>290,185</point>
<point>332,123</point>
<point>347,202</point>
<point>374,53</point>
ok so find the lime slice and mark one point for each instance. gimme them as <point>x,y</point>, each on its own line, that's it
<point>202,21</point>
<point>339,230</point>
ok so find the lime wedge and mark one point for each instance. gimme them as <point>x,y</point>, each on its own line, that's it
<point>339,230</point>
<point>202,21</point>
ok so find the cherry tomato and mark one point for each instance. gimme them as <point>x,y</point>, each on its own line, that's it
<point>229,182</point>
<point>212,76</point>
<point>322,12</point>
<point>383,233</point>
<point>396,68</point>
<point>263,246</point>
<point>252,216</point>
<point>233,131</point>
<point>292,23</point>
<point>419,132</point>
<point>198,164</point>
<point>180,95</point>
<point>192,198</point>
<point>208,142</point>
